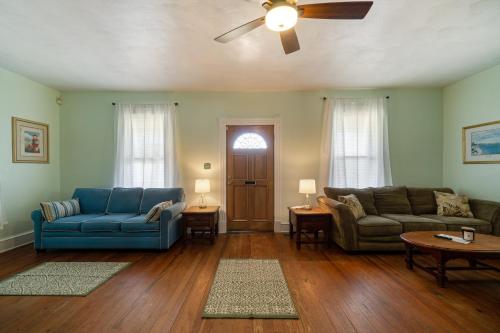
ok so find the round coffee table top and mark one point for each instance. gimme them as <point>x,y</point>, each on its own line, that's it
<point>482,243</point>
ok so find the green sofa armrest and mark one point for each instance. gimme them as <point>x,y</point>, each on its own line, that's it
<point>488,211</point>
<point>345,231</point>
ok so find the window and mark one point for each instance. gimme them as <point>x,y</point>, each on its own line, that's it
<point>250,141</point>
<point>356,145</point>
<point>145,154</point>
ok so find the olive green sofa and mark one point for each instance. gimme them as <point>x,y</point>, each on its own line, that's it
<point>392,211</point>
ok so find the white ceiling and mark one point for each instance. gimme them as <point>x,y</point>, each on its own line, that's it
<point>168,45</point>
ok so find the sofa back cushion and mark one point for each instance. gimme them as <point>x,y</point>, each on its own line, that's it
<point>392,200</point>
<point>153,196</point>
<point>422,199</point>
<point>92,200</point>
<point>364,195</point>
<point>125,200</point>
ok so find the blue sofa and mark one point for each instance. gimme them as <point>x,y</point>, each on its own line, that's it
<point>113,219</point>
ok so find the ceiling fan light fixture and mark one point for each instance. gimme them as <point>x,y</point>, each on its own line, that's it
<point>281,17</point>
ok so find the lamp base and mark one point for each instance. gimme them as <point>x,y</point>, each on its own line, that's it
<point>308,205</point>
<point>202,206</point>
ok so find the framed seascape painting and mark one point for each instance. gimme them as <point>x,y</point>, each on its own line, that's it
<point>30,141</point>
<point>481,143</point>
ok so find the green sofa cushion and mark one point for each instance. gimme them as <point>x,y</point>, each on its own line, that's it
<point>373,225</point>
<point>422,199</point>
<point>416,223</point>
<point>454,223</point>
<point>392,200</point>
<point>364,195</point>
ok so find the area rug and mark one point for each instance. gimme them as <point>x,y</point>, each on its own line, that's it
<point>249,288</point>
<point>61,278</point>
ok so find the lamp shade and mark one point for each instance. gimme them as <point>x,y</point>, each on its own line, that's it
<point>202,186</point>
<point>307,186</point>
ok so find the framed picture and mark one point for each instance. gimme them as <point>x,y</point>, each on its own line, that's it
<point>30,141</point>
<point>481,143</point>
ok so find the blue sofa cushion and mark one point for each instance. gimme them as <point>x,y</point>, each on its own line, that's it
<point>125,200</point>
<point>105,223</point>
<point>69,223</point>
<point>139,224</point>
<point>92,200</point>
<point>153,196</point>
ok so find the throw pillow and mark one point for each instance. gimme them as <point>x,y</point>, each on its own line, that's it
<point>52,210</point>
<point>353,203</point>
<point>154,213</point>
<point>452,205</point>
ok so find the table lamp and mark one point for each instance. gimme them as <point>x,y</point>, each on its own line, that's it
<point>307,186</point>
<point>202,186</point>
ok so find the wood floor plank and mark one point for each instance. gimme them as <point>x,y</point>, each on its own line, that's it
<point>333,292</point>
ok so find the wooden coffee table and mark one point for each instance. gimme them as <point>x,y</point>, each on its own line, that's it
<point>483,247</point>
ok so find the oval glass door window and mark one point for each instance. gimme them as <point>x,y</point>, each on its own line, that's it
<point>250,141</point>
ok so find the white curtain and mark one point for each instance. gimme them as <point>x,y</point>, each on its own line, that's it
<point>3,218</point>
<point>145,145</point>
<point>355,145</point>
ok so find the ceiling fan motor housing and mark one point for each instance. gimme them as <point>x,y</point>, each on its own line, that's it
<point>267,4</point>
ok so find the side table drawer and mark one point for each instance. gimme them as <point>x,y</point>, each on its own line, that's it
<point>198,219</point>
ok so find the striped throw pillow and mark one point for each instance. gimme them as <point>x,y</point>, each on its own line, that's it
<point>154,213</point>
<point>52,210</point>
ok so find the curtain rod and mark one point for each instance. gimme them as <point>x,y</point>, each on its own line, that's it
<point>325,98</point>
<point>176,104</point>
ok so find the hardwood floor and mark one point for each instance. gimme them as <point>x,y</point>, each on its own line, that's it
<point>333,292</point>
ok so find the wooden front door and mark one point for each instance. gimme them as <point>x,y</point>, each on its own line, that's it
<point>250,177</point>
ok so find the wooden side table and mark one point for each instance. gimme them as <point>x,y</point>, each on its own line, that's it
<point>201,220</point>
<point>310,221</point>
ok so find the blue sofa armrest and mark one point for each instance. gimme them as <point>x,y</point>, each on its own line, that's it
<point>172,211</point>
<point>37,218</point>
<point>171,225</point>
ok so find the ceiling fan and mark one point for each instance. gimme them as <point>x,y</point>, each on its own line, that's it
<point>282,16</point>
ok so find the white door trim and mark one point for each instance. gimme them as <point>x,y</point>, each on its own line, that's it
<point>276,122</point>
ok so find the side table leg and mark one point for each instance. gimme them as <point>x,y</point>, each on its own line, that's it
<point>291,230</point>
<point>299,235</point>
<point>185,231</point>
<point>409,256</point>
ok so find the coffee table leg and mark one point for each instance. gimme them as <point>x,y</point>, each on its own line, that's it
<point>441,270</point>
<point>409,256</point>
<point>472,262</point>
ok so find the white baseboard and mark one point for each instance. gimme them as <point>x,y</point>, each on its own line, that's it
<point>14,241</point>
<point>284,227</point>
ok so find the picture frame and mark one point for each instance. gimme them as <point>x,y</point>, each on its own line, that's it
<point>30,141</point>
<point>481,143</point>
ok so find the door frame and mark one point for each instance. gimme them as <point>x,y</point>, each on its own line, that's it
<point>276,122</point>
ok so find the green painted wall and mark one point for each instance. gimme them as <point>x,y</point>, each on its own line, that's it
<point>415,120</point>
<point>472,101</point>
<point>24,185</point>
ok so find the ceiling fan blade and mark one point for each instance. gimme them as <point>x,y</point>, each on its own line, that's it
<point>290,41</point>
<point>241,30</point>
<point>354,10</point>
